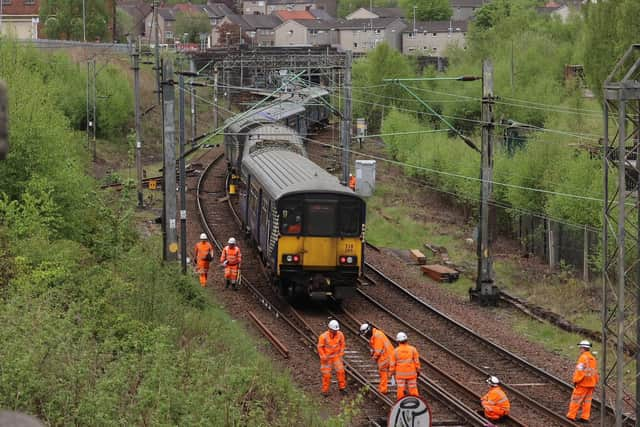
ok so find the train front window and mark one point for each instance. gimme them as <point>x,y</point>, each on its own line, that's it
<point>320,218</point>
<point>350,219</point>
<point>291,219</point>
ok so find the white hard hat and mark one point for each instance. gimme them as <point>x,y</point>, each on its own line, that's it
<point>364,328</point>
<point>232,241</point>
<point>493,380</point>
<point>203,236</point>
<point>334,325</point>
<point>401,337</point>
<point>585,344</point>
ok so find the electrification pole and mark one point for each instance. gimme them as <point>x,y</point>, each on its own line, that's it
<point>183,196</point>
<point>192,69</point>
<point>169,165</point>
<point>215,98</point>
<point>95,117</point>
<point>157,47</point>
<point>346,121</point>
<point>485,291</point>
<point>136,92</point>
<point>4,121</point>
<point>621,237</point>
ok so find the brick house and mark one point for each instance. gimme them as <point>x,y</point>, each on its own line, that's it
<point>20,18</point>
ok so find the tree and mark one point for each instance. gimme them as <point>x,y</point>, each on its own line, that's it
<point>428,10</point>
<point>192,24</point>
<point>63,19</point>
<point>124,26</point>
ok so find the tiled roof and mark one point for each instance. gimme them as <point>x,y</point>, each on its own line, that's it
<point>356,24</point>
<point>167,13</point>
<point>216,10</point>
<point>437,27</point>
<point>321,14</point>
<point>287,15</point>
<point>262,21</point>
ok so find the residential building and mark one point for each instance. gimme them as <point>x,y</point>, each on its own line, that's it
<point>165,25</point>
<point>256,30</point>
<point>432,38</point>
<point>216,12</point>
<point>267,7</point>
<point>376,12</point>
<point>463,10</point>
<point>294,15</point>
<point>137,10</point>
<point>562,9</point>
<point>20,18</point>
<point>362,35</point>
<point>306,32</point>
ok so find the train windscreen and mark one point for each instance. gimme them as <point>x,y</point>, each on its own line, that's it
<point>320,218</point>
<point>350,218</point>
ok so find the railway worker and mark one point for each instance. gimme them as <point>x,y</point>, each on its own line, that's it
<point>231,258</point>
<point>382,352</point>
<point>585,378</point>
<point>495,403</point>
<point>405,367</point>
<point>352,182</point>
<point>203,255</point>
<point>331,350</point>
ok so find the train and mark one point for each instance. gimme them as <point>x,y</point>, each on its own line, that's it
<point>308,228</point>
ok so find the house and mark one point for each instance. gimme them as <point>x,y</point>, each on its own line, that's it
<point>362,35</point>
<point>376,12</point>
<point>463,10</point>
<point>256,30</point>
<point>137,10</point>
<point>20,19</point>
<point>562,10</point>
<point>431,38</point>
<point>306,32</point>
<point>294,15</point>
<point>165,25</point>
<point>216,12</point>
<point>267,7</point>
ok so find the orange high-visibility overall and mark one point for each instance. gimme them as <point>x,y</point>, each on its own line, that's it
<point>352,182</point>
<point>331,350</point>
<point>382,352</point>
<point>406,369</point>
<point>495,403</point>
<point>585,378</point>
<point>233,257</point>
<point>201,250</point>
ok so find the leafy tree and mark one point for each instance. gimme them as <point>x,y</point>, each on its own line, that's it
<point>63,19</point>
<point>428,10</point>
<point>192,24</point>
<point>231,34</point>
<point>124,26</point>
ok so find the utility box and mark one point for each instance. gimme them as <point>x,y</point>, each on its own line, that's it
<point>365,177</point>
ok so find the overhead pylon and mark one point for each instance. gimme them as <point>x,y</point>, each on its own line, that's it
<point>621,236</point>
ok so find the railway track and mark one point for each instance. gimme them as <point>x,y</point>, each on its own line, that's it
<point>448,410</point>
<point>537,397</point>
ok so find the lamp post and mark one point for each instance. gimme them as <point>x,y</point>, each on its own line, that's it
<point>414,19</point>
<point>84,21</point>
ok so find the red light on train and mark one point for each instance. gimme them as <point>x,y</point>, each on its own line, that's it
<point>343,259</point>
<point>296,258</point>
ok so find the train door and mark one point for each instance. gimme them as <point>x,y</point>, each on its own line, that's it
<point>253,209</point>
<point>320,225</point>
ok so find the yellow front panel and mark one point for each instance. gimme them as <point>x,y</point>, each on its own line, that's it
<point>319,252</point>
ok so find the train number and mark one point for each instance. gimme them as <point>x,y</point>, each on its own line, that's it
<point>349,247</point>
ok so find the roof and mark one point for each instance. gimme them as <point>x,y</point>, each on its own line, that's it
<point>261,21</point>
<point>187,8</point>
<point>239,21</point>
<point>269,114</point>
<point>317,24</point>
<point>136,11</point>
<point>387,12</point>
<point>217,10</point>
<point>167,13</point>
<point>358,24</point>
<point>282,172</point>
<point>438,27</point>
<point>468,3</point>
<point>321,14</point>
<point>285,2</point>
<point>287,15</point>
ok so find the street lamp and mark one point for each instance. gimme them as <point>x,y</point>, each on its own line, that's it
<point>414,19</point>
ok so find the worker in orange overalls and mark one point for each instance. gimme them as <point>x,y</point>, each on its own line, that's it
<point>495,403</point>
<point>203,254</point>
<point>231,259</point>
<point>382,352</point>
<point>331,350</point>
<point>352,182</point>
<point>405,367</point>
<point>585,378</point>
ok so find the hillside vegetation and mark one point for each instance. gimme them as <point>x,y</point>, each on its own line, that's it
<point>554,170</point>
<point>95,329</point>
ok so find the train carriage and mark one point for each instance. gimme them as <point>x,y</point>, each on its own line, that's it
<point>308,227</point>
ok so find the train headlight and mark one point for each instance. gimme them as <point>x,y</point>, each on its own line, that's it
<point>291,258</point>
<point>348,260</point>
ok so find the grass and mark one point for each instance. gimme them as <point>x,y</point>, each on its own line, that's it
<point>396,219</point>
